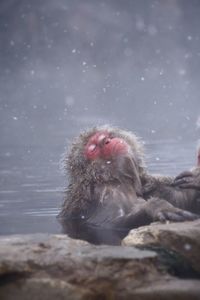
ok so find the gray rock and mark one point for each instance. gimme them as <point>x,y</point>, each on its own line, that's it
<point>49,267</point>
<point>183,238</point>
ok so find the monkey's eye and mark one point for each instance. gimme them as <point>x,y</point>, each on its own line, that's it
<point>92,147</point>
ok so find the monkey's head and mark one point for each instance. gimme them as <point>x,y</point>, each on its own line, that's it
<point>105,154</point>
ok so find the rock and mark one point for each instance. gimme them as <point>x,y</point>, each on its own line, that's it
<point>43,266</point>
<point>56,267</point>
<point>183,238</point>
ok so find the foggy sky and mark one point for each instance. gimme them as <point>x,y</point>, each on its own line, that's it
<point>66,65</point>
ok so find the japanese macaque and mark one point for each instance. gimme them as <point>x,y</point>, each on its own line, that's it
<point>110,190</point>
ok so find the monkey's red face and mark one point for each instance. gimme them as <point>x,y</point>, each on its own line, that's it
<point>103,145</point>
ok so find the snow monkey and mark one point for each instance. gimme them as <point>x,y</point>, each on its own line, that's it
<point>110,188</point>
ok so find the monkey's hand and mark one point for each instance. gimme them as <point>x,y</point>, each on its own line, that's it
<point>161,210</point>
<point>188,179</point>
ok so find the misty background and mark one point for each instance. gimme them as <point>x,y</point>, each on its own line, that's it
<point>66,65</point>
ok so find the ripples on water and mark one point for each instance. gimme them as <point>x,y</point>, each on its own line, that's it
<point>31,190</point>
<point>31,183</point>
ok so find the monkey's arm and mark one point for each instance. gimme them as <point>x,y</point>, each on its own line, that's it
<point>185,180</point>
<point>182,192</point>
<point>120,208</point>
<point>155,209</point>
<point>151,183</point>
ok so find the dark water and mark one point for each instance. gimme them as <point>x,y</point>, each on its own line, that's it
<point>32,184</point>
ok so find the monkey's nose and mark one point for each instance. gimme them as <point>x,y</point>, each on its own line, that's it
<point>104,141</point>
<point>107,141</point>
